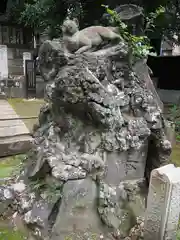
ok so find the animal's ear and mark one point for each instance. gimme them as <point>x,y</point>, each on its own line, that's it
<point>76,21</point>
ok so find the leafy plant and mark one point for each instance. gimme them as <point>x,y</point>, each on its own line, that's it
<point>174,112</point>
<point>139,45</point>
<point>178,235</point>
<point>178,232</point>
<point>37,185</point>
<point>175,115</point>
<point>50,190</point>
<point>151,18</point>
<point>35,15</point>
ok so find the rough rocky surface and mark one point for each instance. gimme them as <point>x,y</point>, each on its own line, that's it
<point>100,134</point>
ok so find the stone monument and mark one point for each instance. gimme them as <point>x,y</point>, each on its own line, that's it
<point>3,69</point>
<point>3,62</point>
<point>163,205</point>
<point>99,135</point>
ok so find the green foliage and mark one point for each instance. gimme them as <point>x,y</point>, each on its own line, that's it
<point>178,232</point>
<point>44,16</point>
<point>152,17</point>
<point>50,189</point>
<point>35,15</point>
<point>75,11</point>
<point>47,15</point>
<point>10,234</point>
<point>37,185</point>
<point>172,20</point>
<point>175,115</point>
<point>174,112</point>
<point>178,235</point>
<point>139,45</point>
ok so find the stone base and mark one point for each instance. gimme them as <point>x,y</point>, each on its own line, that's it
<point>2,95</point>
<point>15,145</point>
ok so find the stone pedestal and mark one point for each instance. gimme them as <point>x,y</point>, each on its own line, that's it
<point>163,205</point>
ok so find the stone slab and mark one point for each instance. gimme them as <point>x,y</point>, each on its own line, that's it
<point>3,62</point>
<point>15,145</point>
<point>15,137</point>
<point>77,214</point>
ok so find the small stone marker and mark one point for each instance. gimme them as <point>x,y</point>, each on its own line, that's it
<point>163,205</point>
<point>26,56</point>
<point>3,62</point>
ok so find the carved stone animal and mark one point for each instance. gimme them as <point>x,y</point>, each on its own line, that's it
<point>85,39</point>
<point>70,27</point>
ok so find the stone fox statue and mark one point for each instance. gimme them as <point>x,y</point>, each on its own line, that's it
<point>83,40</point>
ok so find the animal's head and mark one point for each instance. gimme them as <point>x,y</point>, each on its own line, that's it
<point>69,27</point>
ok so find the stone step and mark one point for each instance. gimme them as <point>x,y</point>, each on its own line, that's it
<point>15,137</point>
<point>12,130</point>
<point>10,146</point>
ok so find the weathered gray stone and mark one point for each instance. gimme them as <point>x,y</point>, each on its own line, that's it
<point>88,131</point>
<point>163,205</point>
<point>99,133</point>
<point>7,197</point>
<point>78,214</point>
<point>19,187</point>
<point>39,216</point>
<point>3,62</point>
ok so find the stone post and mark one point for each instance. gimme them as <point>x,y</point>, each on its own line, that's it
<point>163,204</point>
<point>26,56</point>
<point>3,69</point>
<point>3,62</point>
